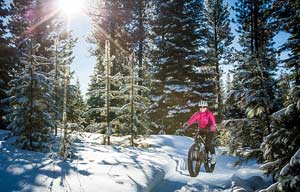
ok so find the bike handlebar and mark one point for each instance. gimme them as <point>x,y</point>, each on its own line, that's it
<point>196,130</point>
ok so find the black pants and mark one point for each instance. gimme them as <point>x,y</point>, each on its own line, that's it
<point>209,136</point>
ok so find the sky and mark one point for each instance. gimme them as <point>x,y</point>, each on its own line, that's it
<point>158,166</point>
<point>83,64</point>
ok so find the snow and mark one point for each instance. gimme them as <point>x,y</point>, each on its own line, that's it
<point>157,166</point>
<point>176,110</point>
<point>177,88</point>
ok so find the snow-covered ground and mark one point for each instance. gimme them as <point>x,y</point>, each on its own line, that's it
<point>98,168</point>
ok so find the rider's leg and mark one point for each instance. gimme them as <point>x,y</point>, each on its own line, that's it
<point>208,143</point>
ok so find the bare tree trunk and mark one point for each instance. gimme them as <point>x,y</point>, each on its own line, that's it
<point>30,116</point>
<point>108,63</point>
<point>56,81</point>
<point>63,149</point>
<point>132,98</point>
<point>141,35</point>
<point>217,65</point>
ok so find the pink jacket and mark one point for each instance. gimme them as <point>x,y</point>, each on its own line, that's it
<point>204,119</point>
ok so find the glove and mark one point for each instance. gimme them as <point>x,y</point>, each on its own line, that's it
<point>185,126</point>
<point>213,128</point>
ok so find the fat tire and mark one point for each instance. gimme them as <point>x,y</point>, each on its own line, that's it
<point>193,172</point>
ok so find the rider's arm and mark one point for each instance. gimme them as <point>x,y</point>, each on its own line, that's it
<point>193,119</point>
<point>212,119</point>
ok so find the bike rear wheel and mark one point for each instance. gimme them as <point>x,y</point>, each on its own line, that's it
<point>209,167</point>
<point>194,160</point>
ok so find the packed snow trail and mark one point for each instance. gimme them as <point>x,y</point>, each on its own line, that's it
<point>224,178</point>
<point>95,167</point>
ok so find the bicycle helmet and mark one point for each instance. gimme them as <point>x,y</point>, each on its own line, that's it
<point>203,104</point>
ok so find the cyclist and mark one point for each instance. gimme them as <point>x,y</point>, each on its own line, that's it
<point>207,125</point>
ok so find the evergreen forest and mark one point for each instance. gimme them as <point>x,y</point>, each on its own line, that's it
<point>155,60</point>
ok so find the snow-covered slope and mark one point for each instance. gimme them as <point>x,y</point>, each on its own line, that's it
<point>95,167</point>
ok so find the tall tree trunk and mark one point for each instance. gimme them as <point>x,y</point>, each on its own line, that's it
<point>219,99</point>
<point>56,81</point>
<point>132,98</point>
<point>141,34</point>
<point>108,63</point>
<point>255,29</point>
<point>64,140</point>
<point>30,116</point>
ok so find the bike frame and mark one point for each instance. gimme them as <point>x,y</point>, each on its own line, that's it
<point>198,153</point>
<point>198,139</point>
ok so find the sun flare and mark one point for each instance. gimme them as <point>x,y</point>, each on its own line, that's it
<point>71,7</point>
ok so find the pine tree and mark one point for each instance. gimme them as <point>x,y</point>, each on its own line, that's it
<point>94,99</point>
<point>6,63</point>
<point>105,92</point>
<point>112,21</point>
<point>283,141</point>
<point>287,20</point>
<point>254,93</point>
<point>289,178</point>
<point>219,41</point>
<point>140,37</point>
<point>66,114</point>
<point>68,108</point>
<point>183,77</point>
<point>142,12</point>
<point>30,117</point>
<point>33,105</point>
<point>134,113</point>
<point>77,107</point>
<point>60,55</point>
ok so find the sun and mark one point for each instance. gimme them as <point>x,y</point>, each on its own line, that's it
<point>71,7</point>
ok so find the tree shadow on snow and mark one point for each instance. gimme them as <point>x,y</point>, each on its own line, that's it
<point>139,163</point>
<point>27,170</point>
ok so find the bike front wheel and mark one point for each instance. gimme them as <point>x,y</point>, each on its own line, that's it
<point>194,160</point>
